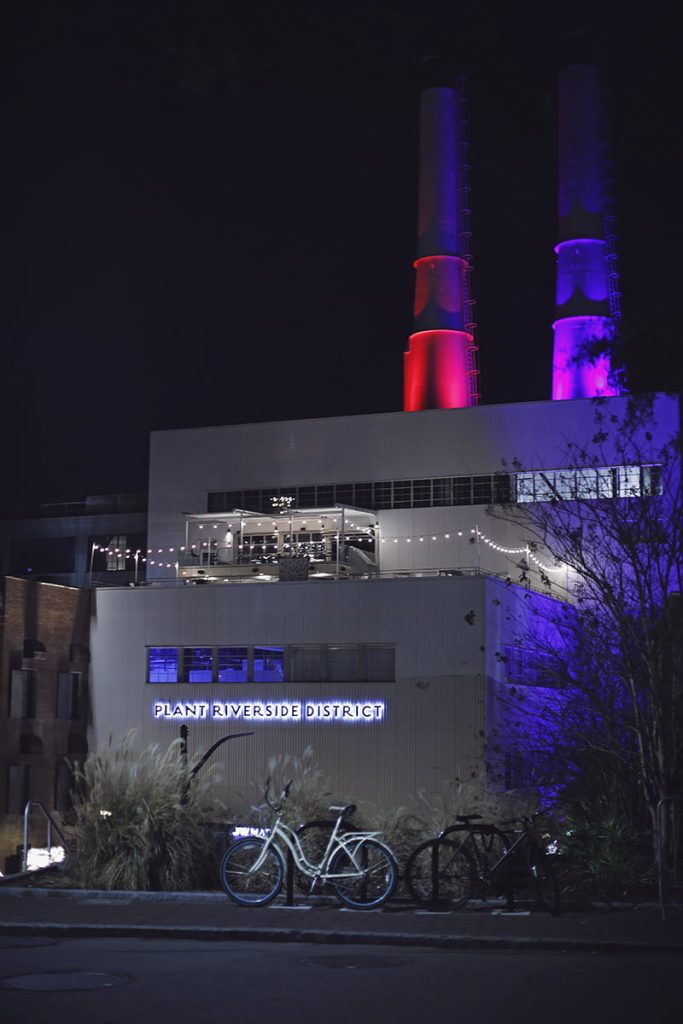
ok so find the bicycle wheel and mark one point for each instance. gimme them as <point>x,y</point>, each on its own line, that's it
<point>244,886</point>
<point>440,871</point>
<point>369,886</point>
<point>544,880</point>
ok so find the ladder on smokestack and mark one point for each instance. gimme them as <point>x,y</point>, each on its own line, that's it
<point>470,323</point>
<point>608,218</point>
<point>614,293</point>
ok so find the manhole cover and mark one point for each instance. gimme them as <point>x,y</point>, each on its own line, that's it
<point>64,981</point>
<point>350,963</point>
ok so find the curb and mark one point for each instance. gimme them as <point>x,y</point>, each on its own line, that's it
<point>331,937</point>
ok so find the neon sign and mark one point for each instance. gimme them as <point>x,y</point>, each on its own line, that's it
<point>282,712</point>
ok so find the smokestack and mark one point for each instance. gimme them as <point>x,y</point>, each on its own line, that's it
<point>439,366</point>
<point>587,293</point>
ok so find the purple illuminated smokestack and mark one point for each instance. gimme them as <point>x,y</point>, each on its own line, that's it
<point>587,294</point>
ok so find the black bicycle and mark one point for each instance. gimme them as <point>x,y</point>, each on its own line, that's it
<point>468,859</point>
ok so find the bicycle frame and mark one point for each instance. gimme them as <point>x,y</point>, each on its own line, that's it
<point>505,858</point>
<point>475,832</point>
<point>350,842</point>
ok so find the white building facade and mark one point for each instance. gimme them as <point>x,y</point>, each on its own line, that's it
<point>386,654</point>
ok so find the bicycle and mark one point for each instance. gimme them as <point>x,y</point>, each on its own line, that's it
<point>448,871</point>
<point>361,871</point>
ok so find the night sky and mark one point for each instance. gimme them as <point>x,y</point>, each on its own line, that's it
<point>209,213</point>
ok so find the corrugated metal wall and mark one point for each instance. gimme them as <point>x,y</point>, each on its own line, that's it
<point>435,710</point>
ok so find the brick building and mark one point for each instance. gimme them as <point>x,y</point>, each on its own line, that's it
<point>44,659</point>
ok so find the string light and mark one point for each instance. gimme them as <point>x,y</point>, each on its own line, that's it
<point>500,548</point>
<point>289,547</point>
<point>129,553</point>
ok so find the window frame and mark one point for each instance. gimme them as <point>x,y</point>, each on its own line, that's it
<point>250,653</point>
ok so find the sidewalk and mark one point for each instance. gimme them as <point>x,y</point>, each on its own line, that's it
<point>62,913</point>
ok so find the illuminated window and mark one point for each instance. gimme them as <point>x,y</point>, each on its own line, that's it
<point>116,553</point>
<point>197,665</point>
<point>652,480</point>
<point>588,484</point>
<point>162,665</point>
<point>628,481</point>
<point>524,487</point>
<point>233,664</point>
<point>269,665</point>
<point>299,663</point>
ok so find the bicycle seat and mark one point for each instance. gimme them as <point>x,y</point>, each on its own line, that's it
<point>348,809</point>
<point>468,817</point>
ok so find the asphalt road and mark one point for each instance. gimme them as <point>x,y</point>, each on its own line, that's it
<point>122,981</point>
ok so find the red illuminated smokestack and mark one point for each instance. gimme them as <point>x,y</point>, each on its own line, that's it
<point>439,366</point>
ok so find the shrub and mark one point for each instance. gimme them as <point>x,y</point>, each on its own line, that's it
<point>139,822</point>
<point>470,796</point>
<point>605,856</point>
<point>310,793</point>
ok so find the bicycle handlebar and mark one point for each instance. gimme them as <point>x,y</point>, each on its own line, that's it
<point>284,795</point>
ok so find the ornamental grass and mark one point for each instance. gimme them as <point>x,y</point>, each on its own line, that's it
<point>140,822</point>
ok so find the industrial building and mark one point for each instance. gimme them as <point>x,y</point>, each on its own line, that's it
<point>339,583</point>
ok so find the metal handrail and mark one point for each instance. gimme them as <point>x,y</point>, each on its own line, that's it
<point>51,824</point>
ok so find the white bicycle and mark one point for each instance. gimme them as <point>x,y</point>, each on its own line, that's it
<point>360,870</point>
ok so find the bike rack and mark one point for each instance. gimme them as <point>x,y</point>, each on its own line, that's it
<point>289,880</point>
<point>51,824</point>
<point>507,866</point>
